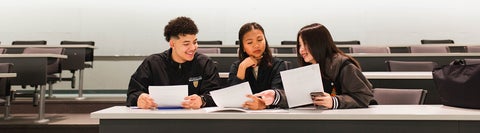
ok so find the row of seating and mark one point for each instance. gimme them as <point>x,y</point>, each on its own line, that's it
<point>366,49</point>
<point>352,42</point>
<point>54,68</point>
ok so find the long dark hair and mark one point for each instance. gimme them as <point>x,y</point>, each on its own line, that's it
<point>318,40</point>
<point>267,54</point>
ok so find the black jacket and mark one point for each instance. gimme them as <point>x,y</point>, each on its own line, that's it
<point>268,78</point>
<point>160,69</point>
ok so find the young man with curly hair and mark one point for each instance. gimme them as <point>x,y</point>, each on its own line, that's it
<point>179,65</point>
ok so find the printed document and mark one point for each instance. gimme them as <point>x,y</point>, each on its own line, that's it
<point>233,96</point>
<point>168,96</point>
<point>299,82</point>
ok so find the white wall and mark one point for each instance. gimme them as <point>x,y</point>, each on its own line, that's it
<point>135,27</point>
<point>129,27</point>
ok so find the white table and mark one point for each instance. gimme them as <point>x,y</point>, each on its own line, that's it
<point>376,119</point>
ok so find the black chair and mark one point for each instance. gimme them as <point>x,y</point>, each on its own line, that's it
<point>215,42</point>
<point>388,96</point>
<point>39,42</point>
<point>410,65</point>
<point>53,68</point>
<point>88,57</point>
<point>5,95</point>
<point>353,42</point>
<point>446,41</point>
<point>288,42</point>
<point>237,42</point>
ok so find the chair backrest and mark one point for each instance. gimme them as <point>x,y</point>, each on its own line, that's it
<point>88,53</point>
<point>4,87</point>
<point>237,42</point>
<point>446,41</point>
<point>370,49</point>
<point>215,42</point>
<point>429,49</point>
<point>385,96</point>
<point>410,65</point>
<point>288,42</point>
<point>473,49</point>
<point>39,42</point>
<point>209,50</point>
<point>353,42</point>
<point>77,43</point>
<point>53,66</point>
<point>472,61</point>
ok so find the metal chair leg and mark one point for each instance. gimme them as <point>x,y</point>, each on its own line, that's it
<point>7,115</point>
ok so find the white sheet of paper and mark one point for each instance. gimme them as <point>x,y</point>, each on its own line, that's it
<point>299,82</point>
<point>233,96</point>
<point>168,96</point>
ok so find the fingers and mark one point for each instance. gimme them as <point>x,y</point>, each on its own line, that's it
<point>192,102</point>
<point>254,104</point>
<point>146,102</point>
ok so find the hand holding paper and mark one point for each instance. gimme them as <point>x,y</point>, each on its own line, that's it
<point>168,96</point>
<point>144,101</point>
<point>192,102</point>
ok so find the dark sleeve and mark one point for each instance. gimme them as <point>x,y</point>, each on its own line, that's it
<point>232,76</point>
<point>138,83</point>
<point>276,78</point>
<point>357,90</point>
<point>277,84</point>
<point>211,82</point>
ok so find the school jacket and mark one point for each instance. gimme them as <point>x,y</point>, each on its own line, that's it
<point>200,74</point>
<point>268,78</point>
<point>353,89</point>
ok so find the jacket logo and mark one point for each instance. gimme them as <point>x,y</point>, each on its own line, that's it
<point>195,80</point>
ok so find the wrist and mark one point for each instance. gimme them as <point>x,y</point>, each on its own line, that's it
<point>204,102</point>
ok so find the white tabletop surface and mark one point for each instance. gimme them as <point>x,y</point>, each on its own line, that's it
<point>33,55</point>
<point>375,112</point>
<point>8,75</point>
<point>47,46</point>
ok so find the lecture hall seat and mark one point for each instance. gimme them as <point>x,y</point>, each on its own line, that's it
<point>214,42</point>
<point>393,65</point>
<point>38,42</point>
<point>445,41</point>
<point>389,96</point>
<point>5,90</point>
<point>352,42</point>
<point>370,49</point>
<point>53,68</point>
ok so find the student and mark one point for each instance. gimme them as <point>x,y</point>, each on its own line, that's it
<point>257,66</point>
<point>179,65</point>
<point>344,84</point>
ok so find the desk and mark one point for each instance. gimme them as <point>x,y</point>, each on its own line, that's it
<point>77,56</point>
<point>404,80</point>
<point>376,119</point>
<point>31,69</point>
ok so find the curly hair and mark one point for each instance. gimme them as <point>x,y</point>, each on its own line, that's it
<point>179,26</point>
